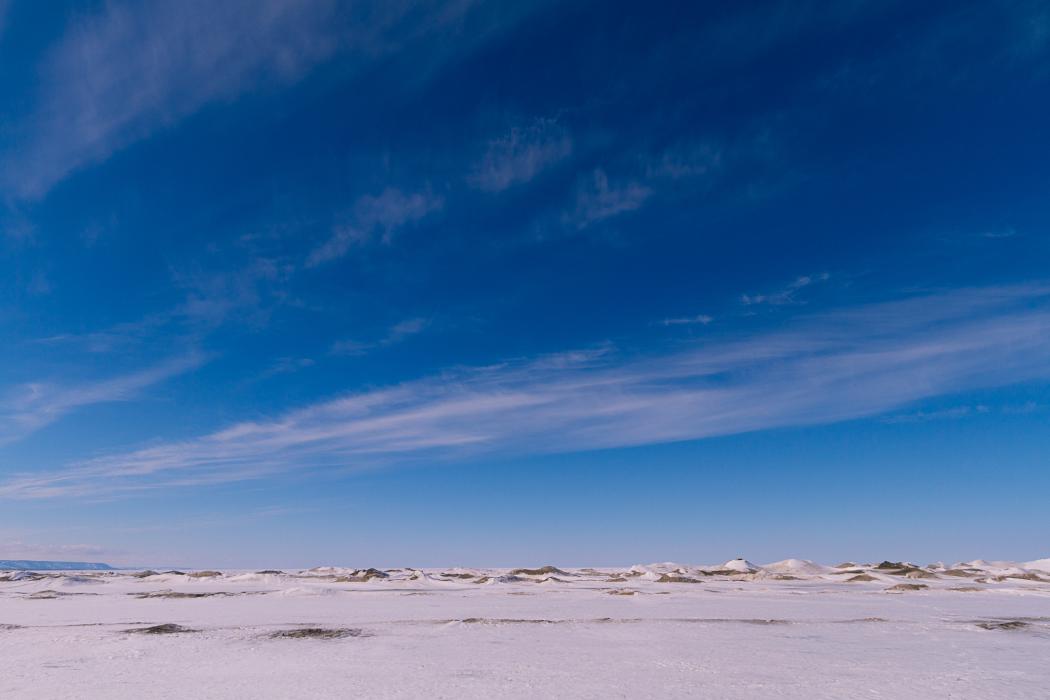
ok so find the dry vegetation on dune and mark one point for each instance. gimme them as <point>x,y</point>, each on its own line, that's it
<point>318,633</point>
<point>167,628</point>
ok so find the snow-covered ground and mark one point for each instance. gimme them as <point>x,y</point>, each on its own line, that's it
<point>793,629</point>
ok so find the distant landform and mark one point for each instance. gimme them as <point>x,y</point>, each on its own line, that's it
<point>27,565</point>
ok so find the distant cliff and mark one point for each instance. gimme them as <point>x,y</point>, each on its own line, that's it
<point>21,565</point>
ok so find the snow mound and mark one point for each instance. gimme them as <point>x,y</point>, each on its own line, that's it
<point>741,565</point>
<point>302,592</point>
<point>330,571</point>
<point>995,566</point>
<point>254,578</point>
<point>796,567</point>
<point>505,578</point>
<point>1038,565</point>
<point>656,569</point>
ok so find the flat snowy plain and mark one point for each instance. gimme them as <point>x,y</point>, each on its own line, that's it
<point>793,629</point>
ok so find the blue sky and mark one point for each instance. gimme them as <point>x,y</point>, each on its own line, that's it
<point>298,283</point>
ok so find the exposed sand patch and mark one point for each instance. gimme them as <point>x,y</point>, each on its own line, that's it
<point>364,576</point>
<point>963,573</point>
<point>542,571</point>
<point>319,633</point>
<point>167,628</point>
<point>862,619</point>
<point>1004,625</point>
<point>908,587</point>
<point>505,621</point>
<point>673,578</point>
<point>860,578</point>
<point>176,595</point>
<point>1029,576</point>
<point>49,594</point>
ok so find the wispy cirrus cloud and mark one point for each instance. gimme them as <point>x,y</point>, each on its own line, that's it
<point>686,161</point>
<point>829,367</point>
<point>287,365</point>
<point>31,406</point>
<point>520,155</point>
<point>132,69</point>
<point>940,414</point>
<point>699,319</point>
<point>786,295</point>
<point>212,296</point>
<point>117,337</point>
<point>395,334</point>
<point>691,167</point>
<point>375,216</point>
<point>999,234</point>
<point>598,199</point>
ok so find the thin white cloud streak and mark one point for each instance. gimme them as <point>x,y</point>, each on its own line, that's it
<point>942,414</point>
<point>847,364</point>
<point>686,161</point>
<point>101,342</point>
<point>135,68</point>
<point>787,295</point>
<point>120,75</point>
<point>520,155</point>
<point>395,334</point>
<point>384,214</point>
<point>213,296</point>
<point>35,405</point>
<point>694,165</point>
<point>699,319</point>
<point>597,199</point>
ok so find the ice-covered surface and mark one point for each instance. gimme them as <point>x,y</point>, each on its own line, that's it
<point>792,629</point>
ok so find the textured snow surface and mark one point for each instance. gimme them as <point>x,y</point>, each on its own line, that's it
<point>793,629</point>
<point>1039,565</point>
